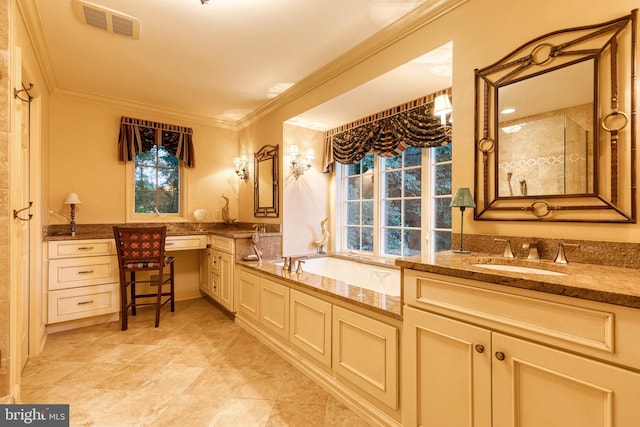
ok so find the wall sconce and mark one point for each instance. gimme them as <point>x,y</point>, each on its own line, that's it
<point>241,167</point>
<point>299,165</point>
<point>72,200</point>
<point>442,107</point>
<point>462,200</point>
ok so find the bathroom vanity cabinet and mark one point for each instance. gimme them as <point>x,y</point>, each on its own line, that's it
<point>83,279</point>
<point>216,271</point>
<point>480,354</point>
<point>342,348</point>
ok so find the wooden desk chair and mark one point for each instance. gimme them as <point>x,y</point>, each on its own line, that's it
<point>142,249</point>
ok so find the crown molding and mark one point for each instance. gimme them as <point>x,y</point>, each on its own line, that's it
<point>143,108</point>
<point>419,17</point>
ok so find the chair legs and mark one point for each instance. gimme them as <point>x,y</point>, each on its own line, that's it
<point>131,284</point>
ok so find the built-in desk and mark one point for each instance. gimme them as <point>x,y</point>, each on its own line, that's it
<point>83,277</point>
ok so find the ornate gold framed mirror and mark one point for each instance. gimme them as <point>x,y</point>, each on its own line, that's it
<point>556,128</point>
<point>266,189</point>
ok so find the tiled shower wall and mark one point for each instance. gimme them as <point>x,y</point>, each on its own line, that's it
<point>4,197</point>
<point>561,160</point>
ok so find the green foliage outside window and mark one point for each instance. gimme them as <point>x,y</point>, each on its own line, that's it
<point>157,182</point>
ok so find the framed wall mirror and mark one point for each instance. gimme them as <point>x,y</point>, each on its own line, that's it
<point>555,128</point>
<point>266,192</point>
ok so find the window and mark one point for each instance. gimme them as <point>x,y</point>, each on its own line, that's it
<point>384,201</point>
<point>359,185</point>
<point>441,198</point>
<point>401,184</point>
<point>157,182</point>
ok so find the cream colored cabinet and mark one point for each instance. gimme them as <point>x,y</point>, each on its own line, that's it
<point>469,358</point>
<point>447,371</point>
<point>248,295</point>
<point>365,352</point>
<point>217,272</point>
<point>540,386</point>
<point>344,350</point>
<point>274,307</point>
<point>83,279</point>
<point>310,329</point>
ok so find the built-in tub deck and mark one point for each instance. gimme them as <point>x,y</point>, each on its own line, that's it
<point>365,282</point>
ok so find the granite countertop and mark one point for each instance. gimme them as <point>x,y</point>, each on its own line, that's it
<point>613,285</point>
<point>105,231</point>
<point>386,305</point>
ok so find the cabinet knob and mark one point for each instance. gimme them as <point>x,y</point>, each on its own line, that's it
<point>499,355</point>
<point>479,348</point>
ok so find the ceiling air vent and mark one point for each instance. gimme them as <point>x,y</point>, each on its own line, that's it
<point>106,19</point>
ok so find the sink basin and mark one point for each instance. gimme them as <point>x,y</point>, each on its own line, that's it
<point>519,269</point>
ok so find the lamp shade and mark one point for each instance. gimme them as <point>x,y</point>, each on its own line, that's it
<point>442,105</point>
<point>72,199</point>
<point>462,199</point>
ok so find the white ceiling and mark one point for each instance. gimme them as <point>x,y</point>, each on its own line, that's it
<point>219,60</point>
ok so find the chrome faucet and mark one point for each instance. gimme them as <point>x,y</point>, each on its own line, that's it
<point>287,263</point>
<point>508,252</point>
<point>532,247</point>
<point>561,258</point>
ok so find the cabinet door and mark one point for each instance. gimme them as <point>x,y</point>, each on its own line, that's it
<point>446,372</point>
<point>365,352</point>
<point>310,330</point>
<point>274,307</point>
<point>534,385</point>
<point>248,293</point>
<point>225,290</point>
<point>205,284</point>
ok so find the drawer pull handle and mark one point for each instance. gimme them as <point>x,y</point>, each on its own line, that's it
<point>479,348</point>
<point>499,355</point>
<point>168,243</point>
<point>85,272</point>
<point>85,302</point>
<point>85,248</point>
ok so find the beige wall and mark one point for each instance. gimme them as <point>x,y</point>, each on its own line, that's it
<point>306,199</point>
<point>84,159</point>
<point>482,32</point>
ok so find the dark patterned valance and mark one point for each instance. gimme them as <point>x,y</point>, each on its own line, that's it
<point>137,136</point>
<point>390,132</point>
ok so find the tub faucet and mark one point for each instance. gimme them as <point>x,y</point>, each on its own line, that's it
<point>534,255</point>
<point>287,263</point>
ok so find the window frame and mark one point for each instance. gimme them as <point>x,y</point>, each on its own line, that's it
<point>427,197</point>
<point>183,208</point>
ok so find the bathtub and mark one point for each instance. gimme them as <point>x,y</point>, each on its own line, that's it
<point>373,277</point>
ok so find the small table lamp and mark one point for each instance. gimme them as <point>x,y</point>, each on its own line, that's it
<point>462,200</point>
<point>72,200</point>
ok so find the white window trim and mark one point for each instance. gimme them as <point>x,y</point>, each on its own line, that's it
<point>132,217</point>
<point>426,220</point>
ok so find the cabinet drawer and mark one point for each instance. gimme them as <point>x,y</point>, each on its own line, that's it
<point>71,304</point>
<point>184,243</point>
<point>549,321</point>
<point>75,272</point>
<point>224,244</point>
<point>78,248</point>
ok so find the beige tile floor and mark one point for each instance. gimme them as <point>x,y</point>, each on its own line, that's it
<point>197,369</point>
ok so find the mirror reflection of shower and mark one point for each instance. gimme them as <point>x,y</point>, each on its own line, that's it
<point>548,154</point>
